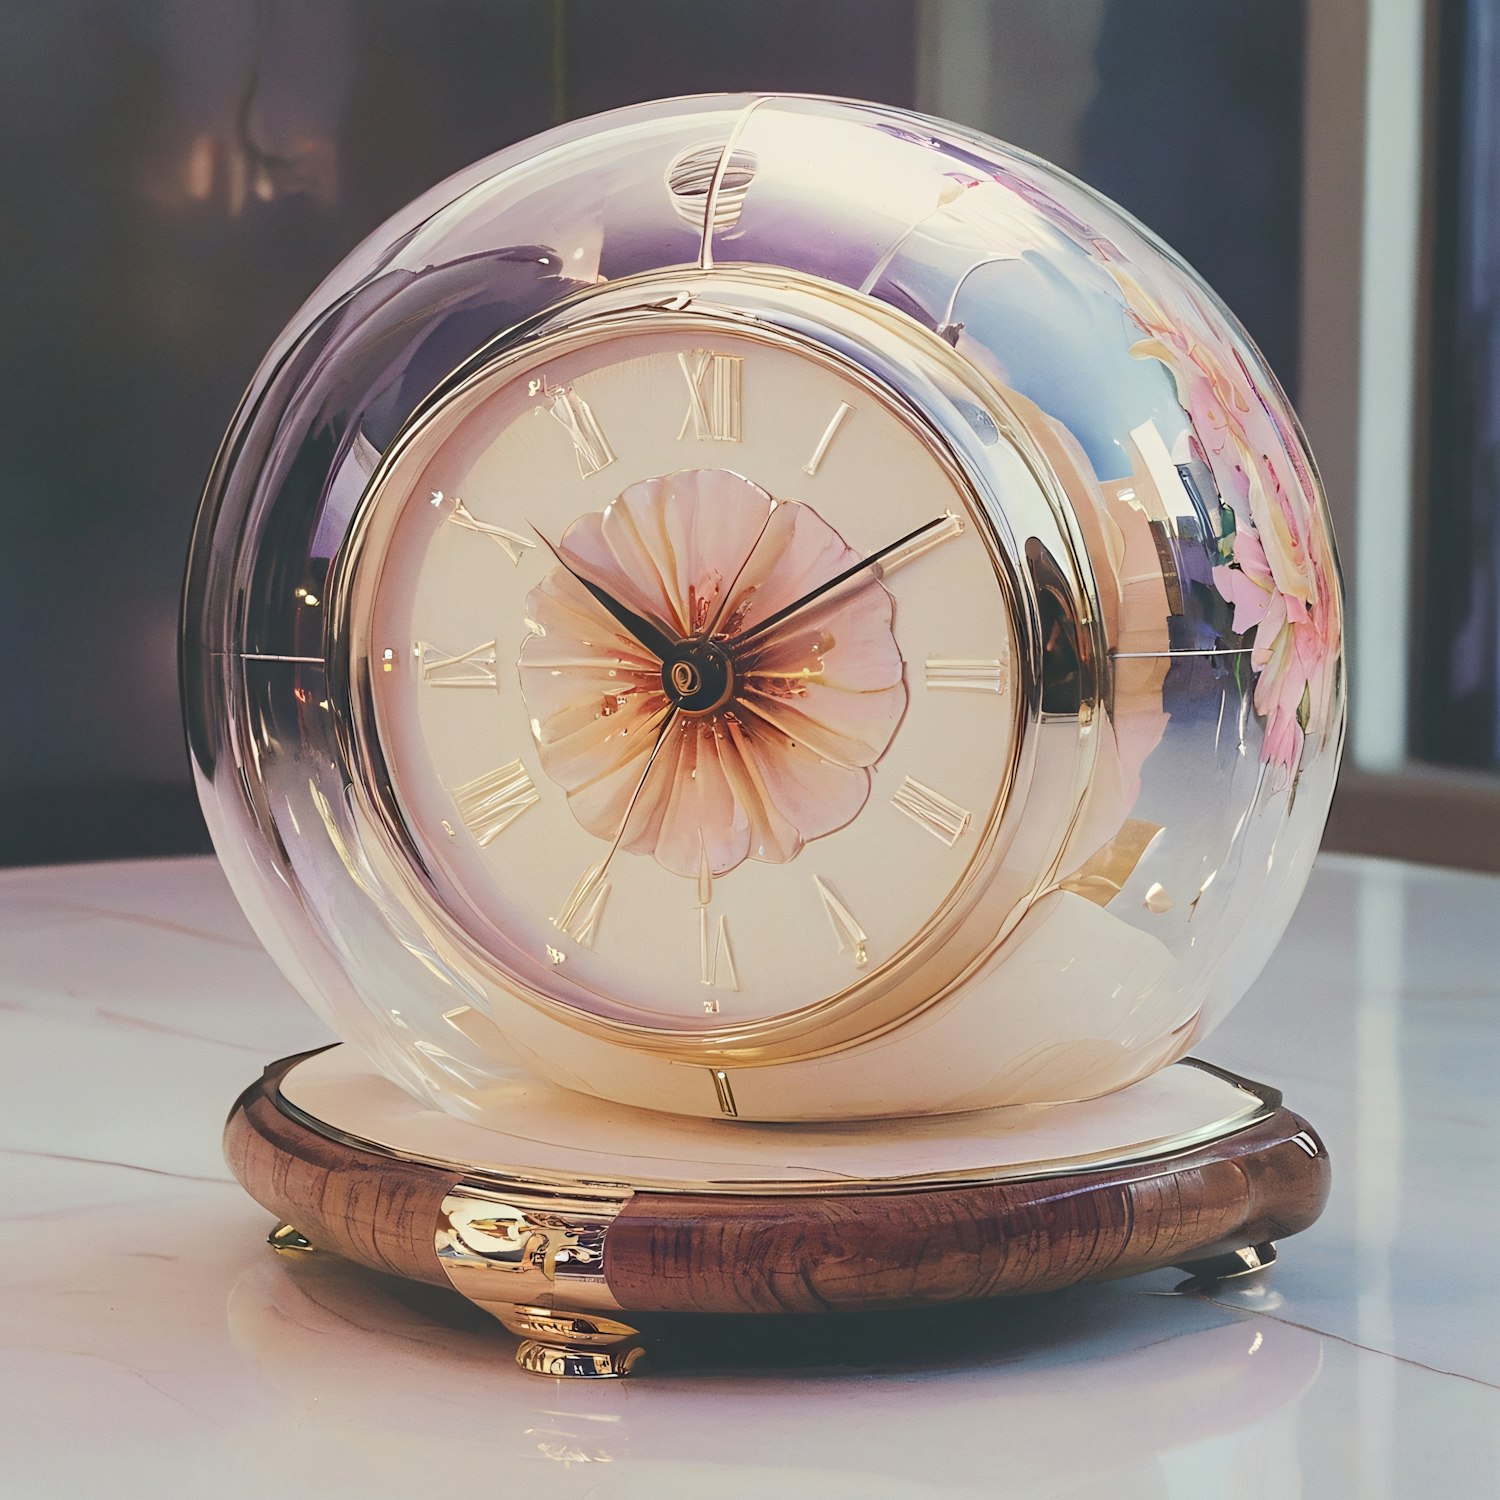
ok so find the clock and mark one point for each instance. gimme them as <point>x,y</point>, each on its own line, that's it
<point>770,610</point>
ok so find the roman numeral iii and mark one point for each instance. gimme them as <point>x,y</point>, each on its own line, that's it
<point>972,674</point>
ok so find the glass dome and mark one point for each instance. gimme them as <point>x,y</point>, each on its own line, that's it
<point>1185,623</point>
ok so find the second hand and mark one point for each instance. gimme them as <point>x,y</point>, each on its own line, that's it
<point>590,883</point>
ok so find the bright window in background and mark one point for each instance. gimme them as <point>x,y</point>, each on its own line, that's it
<point>1457,703</point>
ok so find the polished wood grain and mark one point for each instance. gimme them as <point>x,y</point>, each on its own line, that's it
<point>371,1208</point>
<point>842,1251</point>
<point>711,1253</point>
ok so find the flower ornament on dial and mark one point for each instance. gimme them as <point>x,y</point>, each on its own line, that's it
<point>775,728</point>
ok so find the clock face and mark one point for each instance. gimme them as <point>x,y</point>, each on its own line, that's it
<point>690,671</point>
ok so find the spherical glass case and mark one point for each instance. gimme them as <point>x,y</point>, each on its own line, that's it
<point>768,607</point>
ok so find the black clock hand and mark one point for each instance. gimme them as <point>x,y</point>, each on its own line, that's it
<point>867,562</point>
<point>656,641</point>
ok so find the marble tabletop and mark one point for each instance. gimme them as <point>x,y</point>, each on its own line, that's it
<point>150,1343</point>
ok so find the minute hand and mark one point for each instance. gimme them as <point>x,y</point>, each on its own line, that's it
<point>657,642</point>
<point>867,562</point>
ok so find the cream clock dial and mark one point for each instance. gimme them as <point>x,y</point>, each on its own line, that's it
<point>680,642</point>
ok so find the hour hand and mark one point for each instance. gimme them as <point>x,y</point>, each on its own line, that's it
<point>652,637</point>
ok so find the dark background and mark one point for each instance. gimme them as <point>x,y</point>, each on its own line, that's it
<point>176,177</point>
<point>1458,682</point>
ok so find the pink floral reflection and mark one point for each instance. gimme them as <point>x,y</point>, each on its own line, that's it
<point>815,700</point>
<point>1279,573</point>
<point>1276,563</point>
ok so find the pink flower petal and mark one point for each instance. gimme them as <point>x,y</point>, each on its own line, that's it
<point>850,728</point>
<point>693,814</point>
<point>669,547</point>
<point>1254,452</point>
<point>816,699</point>
<point>1283,742</point>
<point>843,640</point>
<point>1268,633</point>
<point>791,794</point>
<point>1250,597</point>
<point>604,773</point>
<point>798,552</point>
<point>1251,557</point>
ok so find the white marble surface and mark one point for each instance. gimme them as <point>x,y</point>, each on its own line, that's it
<point>151,1345</point>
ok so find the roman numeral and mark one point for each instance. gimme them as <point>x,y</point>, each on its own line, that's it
<point>967,673</point>
<point>705,874</point>
<point>851,936</point>
<point>714,383</point>
<point>931,810</point>
<point>951,527</point>
<point>579,918</point>
<point>590,445</point>
<point>715,958</point>
<point>842,415</point>
<point>489,804</point>
<point>507,541</point>
<point>474,668</point>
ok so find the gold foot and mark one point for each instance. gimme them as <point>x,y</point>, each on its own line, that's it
<point>287,1240</point>
<point>575,1346</point>
<point>1247,1262</point>
<point>538,1358</point>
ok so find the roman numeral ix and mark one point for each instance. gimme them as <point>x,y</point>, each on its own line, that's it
<point>474,668</point>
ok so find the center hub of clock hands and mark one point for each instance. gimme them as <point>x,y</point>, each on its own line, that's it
<point>698,675</point>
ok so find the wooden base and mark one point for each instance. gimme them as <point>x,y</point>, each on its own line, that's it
<point>569,1265</point>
